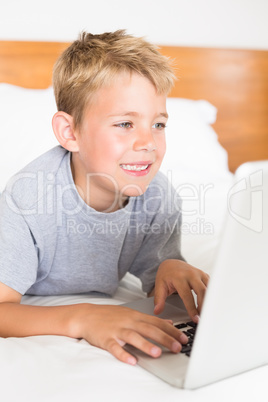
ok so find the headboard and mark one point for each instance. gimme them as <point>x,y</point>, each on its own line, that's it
<point>234,80</point>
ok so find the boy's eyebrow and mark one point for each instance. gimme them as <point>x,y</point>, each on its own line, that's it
<point>163,114</point>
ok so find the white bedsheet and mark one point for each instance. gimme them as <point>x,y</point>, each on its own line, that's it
<point>61,369</point>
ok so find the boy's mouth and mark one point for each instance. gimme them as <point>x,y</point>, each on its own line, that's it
<point>136,169</point>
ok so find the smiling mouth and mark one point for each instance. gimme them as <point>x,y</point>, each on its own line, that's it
<point>135,168</point>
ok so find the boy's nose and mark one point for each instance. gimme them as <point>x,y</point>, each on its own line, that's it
<point>144,141</point>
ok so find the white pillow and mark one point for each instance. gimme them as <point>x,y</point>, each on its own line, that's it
<point>197,166</point>
<point>25,127</point>
<point>193,149</point>
<point>195,162</point>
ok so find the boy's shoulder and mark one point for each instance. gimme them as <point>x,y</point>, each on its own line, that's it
<point>48,161</point>
<point>43,168</point>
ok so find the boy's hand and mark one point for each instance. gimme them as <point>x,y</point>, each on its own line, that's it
<point>176,276</point>
<point>111,327</point>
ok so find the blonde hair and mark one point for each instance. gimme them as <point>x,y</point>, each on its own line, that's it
<point>93,61</point>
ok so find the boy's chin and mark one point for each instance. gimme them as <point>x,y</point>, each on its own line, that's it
<point>134,192</point>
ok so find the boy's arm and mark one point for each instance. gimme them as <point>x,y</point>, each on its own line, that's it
<point>107,327</point>
<point>21,320</point>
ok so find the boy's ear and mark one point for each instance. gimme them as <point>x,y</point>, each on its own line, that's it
<point>63,128</point>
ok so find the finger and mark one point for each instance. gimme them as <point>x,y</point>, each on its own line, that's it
<point>200,290</point>
<point>188,300</point>
<point>160,296</point>
<point>170,329</point>
<point>138,341</point>
<point>121,354</point>
<point>155,334</point>
<point>162,332</point>
<point>169,321</point>
<point>172,341</point>
<point>205,279</point>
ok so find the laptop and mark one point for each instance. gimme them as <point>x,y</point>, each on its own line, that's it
<point>224,342</point>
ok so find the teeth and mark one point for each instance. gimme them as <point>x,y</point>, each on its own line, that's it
<point>137,168</point>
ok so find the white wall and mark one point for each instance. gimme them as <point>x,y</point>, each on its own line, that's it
<point>220,23</point>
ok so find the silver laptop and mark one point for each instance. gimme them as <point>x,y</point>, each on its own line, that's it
<point>224,342</point>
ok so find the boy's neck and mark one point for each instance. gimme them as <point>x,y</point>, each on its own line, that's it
<point>94,197</point>
<point>100,204</point>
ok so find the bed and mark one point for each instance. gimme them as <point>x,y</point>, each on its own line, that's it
<point>218,119</point>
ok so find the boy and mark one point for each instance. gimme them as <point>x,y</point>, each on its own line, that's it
<point>80,216</point>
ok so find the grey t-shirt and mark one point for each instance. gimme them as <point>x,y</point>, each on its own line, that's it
<point>52,242</point>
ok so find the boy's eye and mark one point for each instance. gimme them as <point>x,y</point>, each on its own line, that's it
<point>159,125</point>
<point>125,124</point>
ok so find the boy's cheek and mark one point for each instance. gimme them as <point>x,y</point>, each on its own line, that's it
<point>161,147</point>
<point>162,155</point>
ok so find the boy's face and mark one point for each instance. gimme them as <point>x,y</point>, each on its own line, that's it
<point>121,142</point>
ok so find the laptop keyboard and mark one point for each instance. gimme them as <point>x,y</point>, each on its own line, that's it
<point>189,329</point>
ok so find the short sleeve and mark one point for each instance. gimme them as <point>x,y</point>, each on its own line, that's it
<point>18,251</point>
